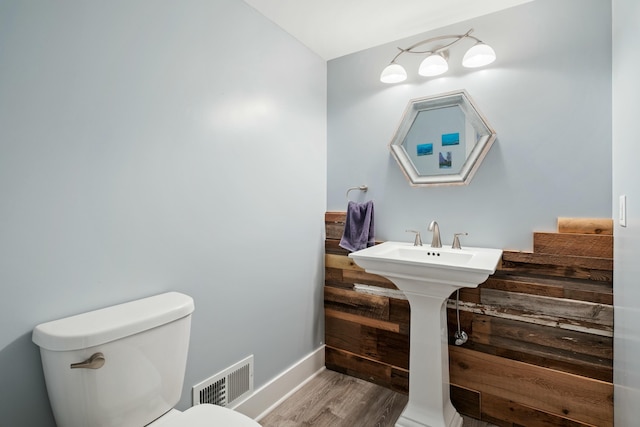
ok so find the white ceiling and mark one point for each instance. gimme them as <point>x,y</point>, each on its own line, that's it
<point>333,28</point>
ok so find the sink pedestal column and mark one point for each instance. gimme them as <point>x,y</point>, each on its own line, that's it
<point>429,402</point>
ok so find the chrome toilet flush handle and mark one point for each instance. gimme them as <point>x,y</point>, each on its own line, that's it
<point>96,361</point>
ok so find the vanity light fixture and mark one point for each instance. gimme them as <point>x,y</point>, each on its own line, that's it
<point>435,63</point>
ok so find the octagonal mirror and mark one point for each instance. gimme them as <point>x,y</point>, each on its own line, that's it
<point>441,140</point>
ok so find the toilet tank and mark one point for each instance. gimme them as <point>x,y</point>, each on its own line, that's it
<point>144,344</point>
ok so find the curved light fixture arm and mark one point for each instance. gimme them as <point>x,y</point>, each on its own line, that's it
<point>434,39</point>
<point>457,37</point>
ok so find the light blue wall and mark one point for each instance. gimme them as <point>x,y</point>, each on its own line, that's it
<point>548,96</point>
<point>150,146</point>
<point>626,181</point>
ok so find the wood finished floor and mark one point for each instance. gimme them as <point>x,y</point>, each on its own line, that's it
<point>335,400</point>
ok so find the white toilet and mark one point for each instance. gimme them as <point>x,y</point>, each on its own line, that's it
<point>124,366</point>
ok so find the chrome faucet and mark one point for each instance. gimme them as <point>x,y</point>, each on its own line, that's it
<point>435,242</point>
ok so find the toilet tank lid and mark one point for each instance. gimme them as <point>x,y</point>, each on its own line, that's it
<point>112,323</point>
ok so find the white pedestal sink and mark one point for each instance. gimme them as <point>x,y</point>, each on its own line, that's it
<point>428,276</point>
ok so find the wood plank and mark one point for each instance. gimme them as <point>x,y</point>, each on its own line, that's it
<point>499,409</point>
<point>334,231</point>
<point>400,312</point>
<point>544,346</point>
<point>332,246</point>
<point>539,356</point>
<point>600,292</point>
<point>524,285</point>
<point>523,268</point>
<point>335,216</point>
<point>557,308</point>
<point>334,225</point>
<point>347,278</point>
<point>332,399</point>
<point>585,245</point>
<point>378,290</point>
<point>388,347</point>
<point>342,334</point>
<point>578,289</point>
<point>589,356</point>
<point>590,263</point>
<point>585,225</point>
<point>383,409</point>
<point>355,365</point>
<point>486,328</point>
<point>470,294</point>
<point>466,402</point>
<point>340,262</point>
<point>350,301</point>
<point>571,396</point>
<point>530,355</point>
<point>334,276</point>
<point>366,321</point>
<point>525,316</point>
<point>364,278</point>
<point>375,344</point>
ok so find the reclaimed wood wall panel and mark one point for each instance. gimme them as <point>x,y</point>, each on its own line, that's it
<point>598,316</point>
<point>580,245</point>
<point>585,226</point>
<point>540,350</point>
<point>555,265</point>
<point>358,366</point>
<point>507,413</point>
<point>575,397</point>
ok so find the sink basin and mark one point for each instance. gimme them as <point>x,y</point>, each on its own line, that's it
<point>466,267</point>
<point>428,276</point>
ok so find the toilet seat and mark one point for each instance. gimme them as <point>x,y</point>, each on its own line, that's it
<point>205,415</point>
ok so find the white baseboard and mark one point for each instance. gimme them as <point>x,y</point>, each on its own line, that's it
<point>267,397</point>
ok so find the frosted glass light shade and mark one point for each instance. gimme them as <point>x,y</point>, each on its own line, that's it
<point>393,73</point>
<point>479,55</point>
<point>433,65</point>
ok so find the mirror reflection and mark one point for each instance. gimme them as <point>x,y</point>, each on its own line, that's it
<point>441,140</point>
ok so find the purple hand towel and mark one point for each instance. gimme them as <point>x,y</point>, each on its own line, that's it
<point>358,228</point>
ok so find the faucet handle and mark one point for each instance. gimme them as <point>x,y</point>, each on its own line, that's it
<point>456,240</point>
<point>418,239</point>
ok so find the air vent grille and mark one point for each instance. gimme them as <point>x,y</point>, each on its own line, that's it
<point>215,393</point>
<point>227,386</point>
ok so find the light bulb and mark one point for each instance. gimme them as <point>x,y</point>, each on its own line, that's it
<point>393,73</point>
<point>479,55</point>
<point>433,65</point>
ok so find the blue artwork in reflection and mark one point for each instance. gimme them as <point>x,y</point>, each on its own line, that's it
<point>424,149</point>
<point>450,139</point>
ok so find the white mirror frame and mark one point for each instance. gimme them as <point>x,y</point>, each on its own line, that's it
<point>486,137</point>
